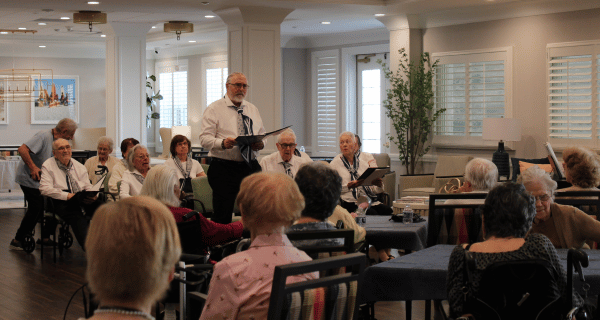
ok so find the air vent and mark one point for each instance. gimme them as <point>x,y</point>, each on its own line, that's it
<point>49,20</point>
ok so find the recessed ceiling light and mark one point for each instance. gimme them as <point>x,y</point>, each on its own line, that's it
<point>42,46</point>
<point>64,18</point>
<point>21,28</point>
<point>325,22</point>
<point>205,3</point>
<point>3,32</point>
<point>209,16</point>
<point>380,14</point>
<point>93,2</point>
<point>192,41</point>
<point>153,27</point>
<point>41,23</point>
<point>102,36</point>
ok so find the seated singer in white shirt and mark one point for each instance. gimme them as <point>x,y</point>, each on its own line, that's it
<point>62,178</point>
<point>133,178</point>
<point>284,160</point>
<point>350,166</point>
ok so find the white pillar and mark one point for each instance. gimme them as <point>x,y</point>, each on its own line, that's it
<point>126,80</point>
<point>404,33</point>
<point>254,48</point>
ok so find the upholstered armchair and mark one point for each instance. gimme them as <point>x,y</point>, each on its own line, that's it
<point>389,181</point>
<point>447,167</point>
<point>87,138</point>
<point>165,136</point>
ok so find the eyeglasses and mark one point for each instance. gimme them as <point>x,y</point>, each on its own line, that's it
<point>64,148</point>
<point>285,145</point>
<point>240,85</point>
<point>542,198</point>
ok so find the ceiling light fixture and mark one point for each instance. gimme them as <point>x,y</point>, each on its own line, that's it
<point>209,16</point>
<point>41,23</point>
<point>93,2</point>
<point>42,46</point>
<point>102,36</point>
<point>89,17</point>
<point>3,32</point>
<point>178,27</point>
<point>153,27</point>
<point>21,28</point>
<point>192,41</point>
<point>379,14</point>
<point>325,22</point>
<point>205,3</point>
<point>64,18</point>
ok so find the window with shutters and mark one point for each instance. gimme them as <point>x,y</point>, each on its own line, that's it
<point>326,103</point>
<point>574,94</point>
<point>215,75</point>
<point>471,86</point>
<point>172,82</point>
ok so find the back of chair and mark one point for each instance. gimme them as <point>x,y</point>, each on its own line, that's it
<point>329,297</point>
<point>587,201</point>
<point>522,289</point>
<point>315,247</point>
<point>190,233</point>
<point>443,218</point>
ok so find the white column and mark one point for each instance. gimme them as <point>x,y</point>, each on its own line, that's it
<point>404,33</point>
<point>254,48</point>
<point>126,80</point>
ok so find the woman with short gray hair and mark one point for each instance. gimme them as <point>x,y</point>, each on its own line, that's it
<point>565,226</point>
<point>133,178</point>
<point>99,165</point>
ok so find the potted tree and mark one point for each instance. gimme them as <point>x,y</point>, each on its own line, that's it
<point>409,105</point>
<point>151,100</point>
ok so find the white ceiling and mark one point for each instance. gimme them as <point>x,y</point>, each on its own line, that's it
<point>304,21</point>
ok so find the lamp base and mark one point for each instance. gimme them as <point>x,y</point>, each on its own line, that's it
<point>500,159</point>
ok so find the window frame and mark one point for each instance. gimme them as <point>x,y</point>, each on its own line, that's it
<point>159,68</point>
<point>316,150</point>
<point>469,56</point>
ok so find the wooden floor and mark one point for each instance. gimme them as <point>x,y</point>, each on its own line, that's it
<point>34,287</point>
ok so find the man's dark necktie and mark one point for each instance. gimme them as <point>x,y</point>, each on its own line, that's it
<point>243,130</point>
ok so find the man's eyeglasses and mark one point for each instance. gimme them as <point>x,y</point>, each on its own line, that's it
<point>240,85</point>
<point>542,198</point>
<point>64,148</point>
<point>285,145</point>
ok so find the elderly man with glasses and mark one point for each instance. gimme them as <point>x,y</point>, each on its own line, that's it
<point>63,179</point>
<point>223,121</point>
<point>284,160</point>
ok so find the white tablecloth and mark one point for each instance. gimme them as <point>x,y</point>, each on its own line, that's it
<point>8,172</point>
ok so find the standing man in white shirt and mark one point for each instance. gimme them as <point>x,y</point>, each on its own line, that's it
<point>223,121</point>
<point>284,160</point>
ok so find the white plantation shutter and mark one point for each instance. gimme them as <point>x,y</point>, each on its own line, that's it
<point>471,86</point>
<point>571,86</point>
<point>326,102</point>
<point>172,82</point>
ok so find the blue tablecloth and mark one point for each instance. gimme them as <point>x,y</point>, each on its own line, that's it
<point>383,233</point>
<point>422,275</point>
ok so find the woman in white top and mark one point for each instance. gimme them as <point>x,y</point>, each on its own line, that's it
<point>133,178</point>
<point>182,162</point>
<point>103,159</point>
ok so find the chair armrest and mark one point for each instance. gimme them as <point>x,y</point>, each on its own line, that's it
<point>389,185</point>
<point>202,192</point>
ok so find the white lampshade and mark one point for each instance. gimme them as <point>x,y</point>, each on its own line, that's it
<point>505,129</point>
<point>182,130</point>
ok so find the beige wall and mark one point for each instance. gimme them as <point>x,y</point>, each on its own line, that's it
<point>528,36</point>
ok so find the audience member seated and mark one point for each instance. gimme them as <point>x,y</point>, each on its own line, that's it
<point>241,283</point>
<point>350,166</point>
<point>117,172</point>
<point>507,216</point>
<point>133,246</point>
<point>481,176</point>
<point>181,160</point>
<point>62,178</point>
<point>565,226</point>
<point>342,214</point>
<point>284,160</point>
<point>138,160</point>
<point>582,169</point>
<point>103,159</point>
<point>162,184</point>
<point>321,187</point>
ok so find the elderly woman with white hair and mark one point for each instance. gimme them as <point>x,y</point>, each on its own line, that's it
<point>565,226</point>
<point>350,166</point>
<point>162,184</point>
<point>241,283</point>
<point>138,160</point>
<point>94,165</point>
<point>132,247</point>
<point>481,176</point>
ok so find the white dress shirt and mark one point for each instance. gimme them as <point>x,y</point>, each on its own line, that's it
<point>196,167</point>
<point>54,180</point>
<point>219,122</point>
<point>115,176</point>
<point>274,163</point>
<point>365,160</point>
<point>130,186</point>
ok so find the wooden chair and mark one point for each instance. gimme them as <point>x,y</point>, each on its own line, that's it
<point>316,250</point>
<point>333,296</point>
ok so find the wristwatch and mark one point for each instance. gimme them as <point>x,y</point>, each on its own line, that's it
<point>223,144</point>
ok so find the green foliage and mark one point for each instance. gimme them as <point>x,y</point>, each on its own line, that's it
<point>409,105</point>
<point>151,100</point>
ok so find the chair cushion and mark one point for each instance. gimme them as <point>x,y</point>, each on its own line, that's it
<point>516,171</point>
<point>526,165</point>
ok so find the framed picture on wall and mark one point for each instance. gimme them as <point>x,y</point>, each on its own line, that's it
<point>55,99</point>
<point>3,105</point>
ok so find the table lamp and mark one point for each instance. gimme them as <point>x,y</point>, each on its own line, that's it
<point>182,130</point>
<point>501,129</point>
